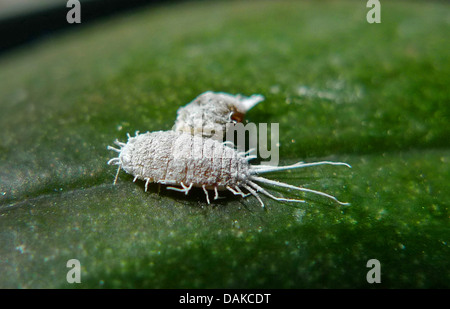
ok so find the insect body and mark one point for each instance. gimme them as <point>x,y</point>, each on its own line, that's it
<point>184,160</point>
<point>209,113</point>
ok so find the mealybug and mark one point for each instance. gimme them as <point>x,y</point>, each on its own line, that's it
<point>185,160</point>
<point>210,112</point>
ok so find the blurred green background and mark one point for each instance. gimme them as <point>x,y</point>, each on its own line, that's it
<point>373,95</point>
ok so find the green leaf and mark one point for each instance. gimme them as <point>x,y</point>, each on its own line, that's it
<point>373,95</point>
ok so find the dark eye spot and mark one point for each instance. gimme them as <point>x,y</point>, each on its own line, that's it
<point>238,117</point>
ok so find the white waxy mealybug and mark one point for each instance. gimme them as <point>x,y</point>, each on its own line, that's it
<point>186,161</point>
<point>210,112</point>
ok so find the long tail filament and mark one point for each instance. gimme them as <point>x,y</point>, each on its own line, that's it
<point>261,169</point>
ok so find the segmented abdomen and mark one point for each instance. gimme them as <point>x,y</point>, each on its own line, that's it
<point>173,158</point>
